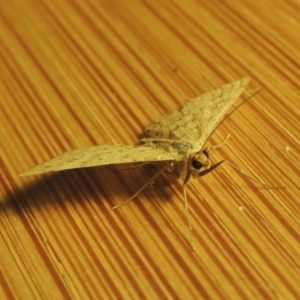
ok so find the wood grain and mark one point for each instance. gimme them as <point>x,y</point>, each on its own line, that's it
<point>81,73</point>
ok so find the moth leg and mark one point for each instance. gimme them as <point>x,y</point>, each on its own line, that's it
<point>150,181</point>
<point>186,206</point>
<point>210,149</point>
<point>206,171</point>
<point>252,178</point>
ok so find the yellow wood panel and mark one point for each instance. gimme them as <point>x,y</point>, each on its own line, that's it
<point>80,73</point>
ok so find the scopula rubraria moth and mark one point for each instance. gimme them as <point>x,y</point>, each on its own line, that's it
<point>174,143</point>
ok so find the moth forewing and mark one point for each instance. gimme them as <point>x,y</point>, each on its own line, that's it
<point>199,117</point>
<point>102,156</point>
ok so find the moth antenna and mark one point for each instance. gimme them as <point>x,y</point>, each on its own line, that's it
<point>240,106</point>
<point>186,206</point>
<point>212,148</point>
<point>145,185</point>
<point>252,178</point>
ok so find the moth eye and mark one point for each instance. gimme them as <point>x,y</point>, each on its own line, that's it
<point>205,153</point>
<point>197,164</point>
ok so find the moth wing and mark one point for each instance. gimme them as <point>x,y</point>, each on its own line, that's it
<point>199,117</point>
<point>101,156</point>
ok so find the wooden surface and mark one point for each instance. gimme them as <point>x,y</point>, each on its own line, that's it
<point>80,73</point>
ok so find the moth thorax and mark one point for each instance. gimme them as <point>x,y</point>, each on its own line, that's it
<point>199,160</point>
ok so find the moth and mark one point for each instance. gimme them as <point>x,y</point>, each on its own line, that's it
<point>173,144</point>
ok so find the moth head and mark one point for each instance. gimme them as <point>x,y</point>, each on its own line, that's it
<point>199,161</point>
